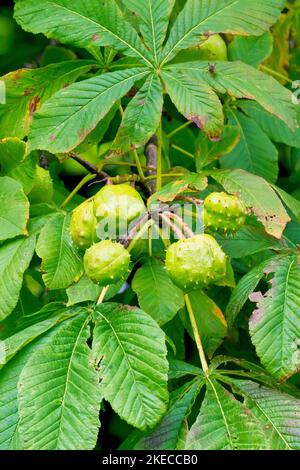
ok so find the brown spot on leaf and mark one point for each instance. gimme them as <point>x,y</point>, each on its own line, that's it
<point>33,105</point>
<point>52,138</point>
<point>200,121</point>
<point>95,37</point>
<point>27,91</point>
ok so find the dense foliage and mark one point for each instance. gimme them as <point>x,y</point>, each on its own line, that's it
<point>150,224</point>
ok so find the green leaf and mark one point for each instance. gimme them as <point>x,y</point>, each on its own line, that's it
<point>278,411</point>
<point>210,321</point>
<point>208,151</point>
<point>251,50</point>
<point>180,369</point>
<point>15,164</point>
<point>141,118</point>
<point>157,295</point>
<point>33,326</point>
<point>85,290</point>
<point>61,259</point>
<point>84,24</point>
<point>28,89</point>
<point>59,397</point>
<point>241,17</point>
<point>274,325</point>
<point>10,374</point>
<point>196,101</point>
<point>256,193</point>
<point>15,257</point>
<point>254,152</point>
<point>186,183</point>
<point>275,129</point>
<point>292,203</point>
<point>243,81</point>
<point>14,209</point>
<point>70,115</point>
<point>248,241</point>
<point>224,423</point>
<point>166,435</point>
<point>244,288</point>
<point>153,19</point>
<point>130,350</point>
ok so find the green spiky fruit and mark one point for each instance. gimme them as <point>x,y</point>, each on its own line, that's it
<point>83,225</point>
<point>106,262</point>
<point>195,262</point>
<point>120,203</point>
<point>224,212</point>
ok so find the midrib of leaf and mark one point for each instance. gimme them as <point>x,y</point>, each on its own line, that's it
<point>273,424</point>
<point>68,375</point>
<point>192,29</point>
<point>125,355</point>
<point>107,90</point>
<point>153,31</point>
<point>106,29</point>
<point>222,412</point>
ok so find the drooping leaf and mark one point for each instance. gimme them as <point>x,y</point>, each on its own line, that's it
<point>256,193</point>
<point>274,325</point>
<point>251,50</point>
<point>291,203</point>
<point>15,257</point>
<point>83,24</point>
<point>185,183</point>
<point>210,321</point>
<point>243,81</point>
<point>153,19</point>
<point>196,101</point>
<point>61,259</point>
<point>224,423</point>
<point>130,350</point>
<point>241,17</point>
<point>254,152</point>
<point>141,117</point>
<point>14,209</point>
<point>157,295</point>
<point>28,89</point>
<point>279,412</point>
<point>59,397</point>
<point>66,119</point>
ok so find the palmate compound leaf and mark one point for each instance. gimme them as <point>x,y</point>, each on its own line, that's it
<point>61,259</point>
<point>224,423</point>
<point>243,17</point>
<point>129,350</point>
<point>278,411</point>
<point>65,120</point>
<point>153,19</point>
<point>14,209</point>
<point>243,81</point>
<point>84,23</point>
<point>196,101</point>
<point>28,89</point>
<point>15,257</point>
<point>258,195</point>
<point>157,295</point>
<point>59,396</point>
<point>141,117</point>
<point>274,325</point>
